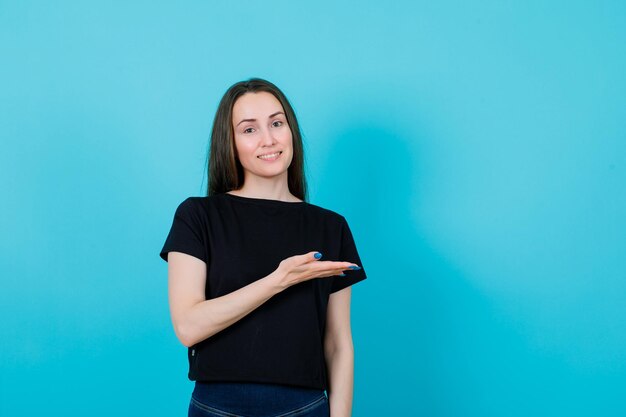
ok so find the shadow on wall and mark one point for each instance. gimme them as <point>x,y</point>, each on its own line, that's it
<point>428,337</point>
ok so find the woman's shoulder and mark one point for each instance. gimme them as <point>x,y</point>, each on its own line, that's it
<point>326,212</point>
<point>193,201</point>
<point>197,204</point>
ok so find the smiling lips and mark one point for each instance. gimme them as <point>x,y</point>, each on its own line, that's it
<point>270,156</point>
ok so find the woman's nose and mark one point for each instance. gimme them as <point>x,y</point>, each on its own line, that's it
<point>268,137</point>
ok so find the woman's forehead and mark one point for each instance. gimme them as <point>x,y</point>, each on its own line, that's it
<point>254,105</point>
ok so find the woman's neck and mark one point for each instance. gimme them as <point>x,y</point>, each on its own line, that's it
<point>266,190</point>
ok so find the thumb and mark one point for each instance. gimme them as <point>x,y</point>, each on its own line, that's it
<point>312,256</point>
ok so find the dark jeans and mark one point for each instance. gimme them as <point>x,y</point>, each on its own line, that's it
<point>235,399</point>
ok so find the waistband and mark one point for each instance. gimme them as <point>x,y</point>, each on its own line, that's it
<point>253,397</point>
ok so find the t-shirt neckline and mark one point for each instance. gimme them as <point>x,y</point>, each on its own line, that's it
<point>265,201</point>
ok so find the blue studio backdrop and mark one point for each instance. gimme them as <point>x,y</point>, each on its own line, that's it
<point>477,149</point>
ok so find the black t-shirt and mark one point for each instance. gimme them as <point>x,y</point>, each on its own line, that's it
<point>243,239</point>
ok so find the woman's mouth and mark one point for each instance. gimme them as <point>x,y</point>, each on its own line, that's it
<point>270,156</point>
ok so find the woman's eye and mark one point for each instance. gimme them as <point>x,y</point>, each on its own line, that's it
<point>277,125</point>
<point>248,130</point>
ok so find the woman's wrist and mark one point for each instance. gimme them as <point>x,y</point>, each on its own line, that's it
<point>277,281</point>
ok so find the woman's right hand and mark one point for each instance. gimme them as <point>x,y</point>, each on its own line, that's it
<point>299,268</point>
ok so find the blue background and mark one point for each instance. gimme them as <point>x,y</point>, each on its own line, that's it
<point>477,150</point>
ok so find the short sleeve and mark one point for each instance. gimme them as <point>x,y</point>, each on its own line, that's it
<point>348,253</point>
<point>186,233</point>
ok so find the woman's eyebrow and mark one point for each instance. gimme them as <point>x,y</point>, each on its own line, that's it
<point>254,120</point>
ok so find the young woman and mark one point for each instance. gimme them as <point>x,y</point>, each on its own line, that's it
<point>259,279</point>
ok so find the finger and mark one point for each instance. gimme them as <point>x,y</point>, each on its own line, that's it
<point>330,266</point>
<point>337,273</point>
<point>311,256</point>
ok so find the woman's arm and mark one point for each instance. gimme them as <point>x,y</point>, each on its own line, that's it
<point>339,352</point>
<point>195,318</point>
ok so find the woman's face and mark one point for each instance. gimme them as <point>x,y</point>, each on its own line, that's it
<point>261,129</point>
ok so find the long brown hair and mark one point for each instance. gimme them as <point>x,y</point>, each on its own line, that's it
<point>225,170</point>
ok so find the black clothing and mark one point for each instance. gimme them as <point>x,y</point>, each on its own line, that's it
<point>243,239</point>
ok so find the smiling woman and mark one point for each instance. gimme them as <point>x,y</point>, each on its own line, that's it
<point>265,321</point>
<point>253,119</point>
